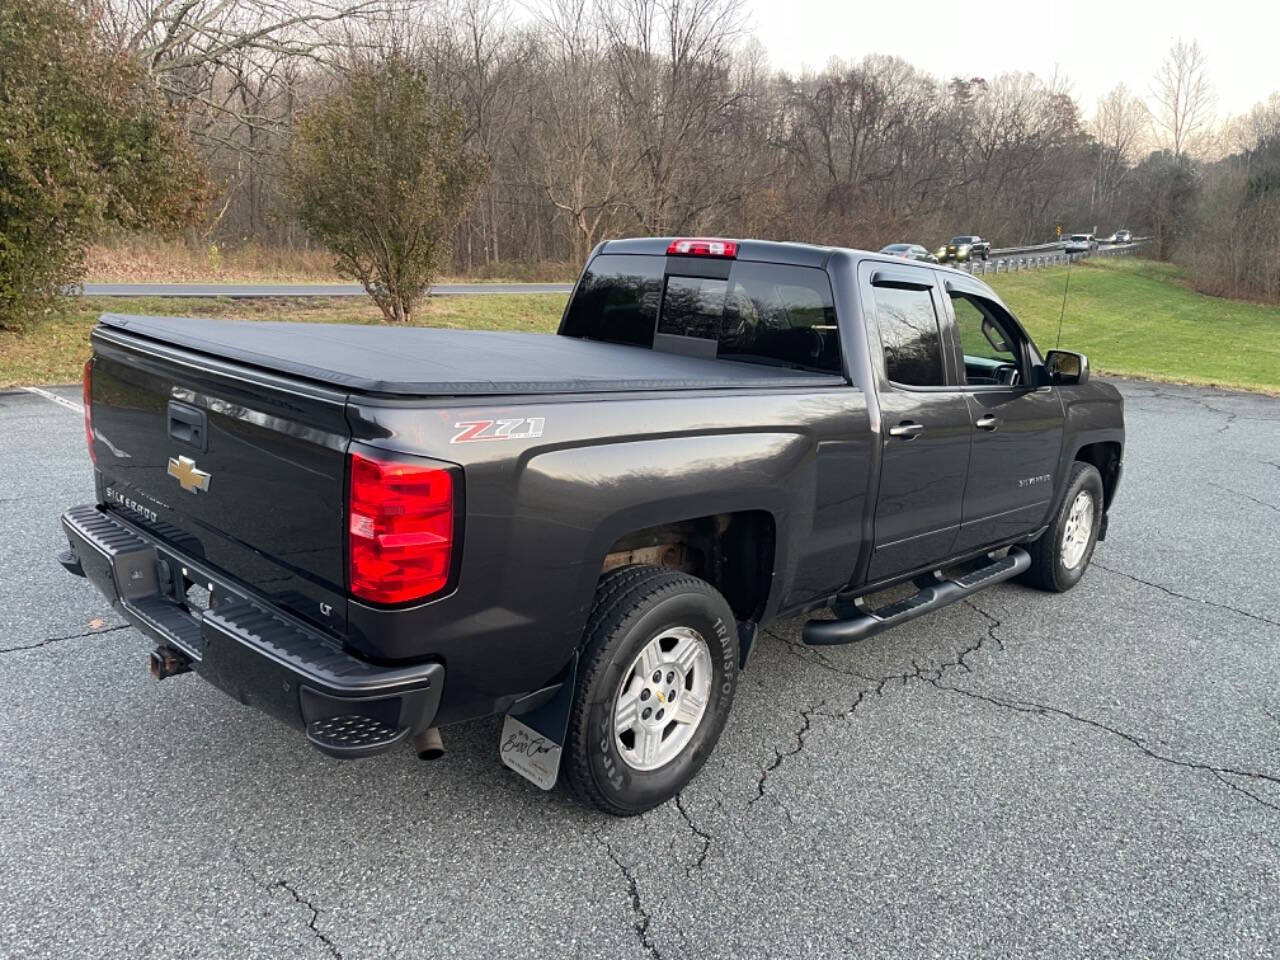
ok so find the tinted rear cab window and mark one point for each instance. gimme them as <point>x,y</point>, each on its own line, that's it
<point>752,312</point>
<point>910,337</point>
<point>616,300</point>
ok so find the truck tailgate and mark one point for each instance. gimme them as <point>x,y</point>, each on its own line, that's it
<point>242,468</point>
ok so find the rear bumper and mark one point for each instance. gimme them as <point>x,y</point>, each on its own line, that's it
<point>253,652</point>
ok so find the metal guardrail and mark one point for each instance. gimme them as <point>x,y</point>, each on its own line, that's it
<point>1027,259</point>
<point>1030,248</point>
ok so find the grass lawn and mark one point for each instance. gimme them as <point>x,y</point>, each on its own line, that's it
<point>147,259</point>
<point>1139,318</point>
<point>1132,317</point>
<point>56,351</point>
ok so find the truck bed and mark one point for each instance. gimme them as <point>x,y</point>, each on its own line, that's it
<point>420,361</point>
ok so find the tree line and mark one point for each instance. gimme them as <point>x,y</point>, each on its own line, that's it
<point>618,117</point>
<point>596,118</point>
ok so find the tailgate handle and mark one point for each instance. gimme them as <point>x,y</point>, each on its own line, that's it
<point>188,425</point>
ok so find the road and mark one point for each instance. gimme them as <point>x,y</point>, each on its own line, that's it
<point>261,291</point>
<point>242,291</point>
<point>1026,775</point>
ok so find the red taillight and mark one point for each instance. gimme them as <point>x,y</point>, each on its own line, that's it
<point>703,247</point>
<point>399,530</point>
<point>87,397</point>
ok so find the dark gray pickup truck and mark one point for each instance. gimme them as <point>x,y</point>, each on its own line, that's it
<point>372,532</point>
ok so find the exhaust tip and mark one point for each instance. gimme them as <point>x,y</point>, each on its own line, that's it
<point>428,744</point>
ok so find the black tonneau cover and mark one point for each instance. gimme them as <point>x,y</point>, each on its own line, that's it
<point>422,361</point>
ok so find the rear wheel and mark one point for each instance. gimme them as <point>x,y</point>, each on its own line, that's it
<point>1061,555</point>
<point>658,672</point>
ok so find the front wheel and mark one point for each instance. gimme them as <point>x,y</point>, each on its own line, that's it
<point>1060,556</point>
<point>656,679</point>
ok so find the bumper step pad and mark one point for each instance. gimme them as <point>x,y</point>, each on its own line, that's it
<point>353,735</point>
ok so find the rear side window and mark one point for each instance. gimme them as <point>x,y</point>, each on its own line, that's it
<point>617,300</point>
<point>909,336</point>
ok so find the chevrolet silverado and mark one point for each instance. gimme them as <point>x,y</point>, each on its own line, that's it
<point>373,532</point>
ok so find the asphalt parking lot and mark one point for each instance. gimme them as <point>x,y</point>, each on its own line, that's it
<point>1092,774</point>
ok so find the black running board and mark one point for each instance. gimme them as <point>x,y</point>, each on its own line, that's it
<point>935,592</point>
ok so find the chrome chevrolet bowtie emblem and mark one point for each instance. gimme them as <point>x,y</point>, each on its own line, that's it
<point>191,479</point>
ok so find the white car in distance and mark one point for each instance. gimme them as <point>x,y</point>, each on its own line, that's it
<point>1080,243</point>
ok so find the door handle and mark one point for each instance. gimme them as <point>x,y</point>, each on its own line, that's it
<point>188,425</point>
<point>906,429</point>
<point>987,423</point>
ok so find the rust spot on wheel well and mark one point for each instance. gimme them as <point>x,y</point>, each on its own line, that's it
<point>734,552</point>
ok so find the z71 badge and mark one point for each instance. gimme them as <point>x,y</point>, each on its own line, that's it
<point>515,428</point>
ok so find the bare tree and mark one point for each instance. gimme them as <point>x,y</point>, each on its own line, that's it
<point>576,151</point>
<point>671,63</point>
<point>173,38</point>
<point>1184,100</point>
<point>1119,122</point>
<point>476,55</point>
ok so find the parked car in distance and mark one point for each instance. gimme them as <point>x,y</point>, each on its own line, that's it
<point>1080,243</point>
<point>370,532</point>
<point>969,247</point>
<point>1123,236</point>
<point>909,251</point>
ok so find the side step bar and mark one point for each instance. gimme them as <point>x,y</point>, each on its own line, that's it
<point>935,592</point>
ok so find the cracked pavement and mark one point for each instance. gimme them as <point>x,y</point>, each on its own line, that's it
<point>1092,774</point>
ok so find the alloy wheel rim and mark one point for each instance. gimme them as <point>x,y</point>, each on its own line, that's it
<point>1077,531</point>
<point>662,698</point>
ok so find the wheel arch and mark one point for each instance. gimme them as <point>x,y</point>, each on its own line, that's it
<point>734,551</point>
<point>1105,455</point>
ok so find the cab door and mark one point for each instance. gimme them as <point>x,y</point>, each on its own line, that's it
<point>1018,426</point>
<point>925,421</point>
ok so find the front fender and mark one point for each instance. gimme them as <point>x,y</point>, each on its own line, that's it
<point>1094,413</point>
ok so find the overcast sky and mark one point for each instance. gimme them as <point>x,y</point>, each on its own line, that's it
<point>1096,45</point>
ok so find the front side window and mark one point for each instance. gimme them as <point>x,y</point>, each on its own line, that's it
<point>988,340</point>
<point>909,336</point>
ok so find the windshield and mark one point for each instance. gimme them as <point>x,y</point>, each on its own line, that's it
<point>1079,237</point>
<point>963,239</point>
<point>895,248</point>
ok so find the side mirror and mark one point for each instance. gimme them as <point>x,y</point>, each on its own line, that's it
<point>1065,368</point>
<point>994,337</point>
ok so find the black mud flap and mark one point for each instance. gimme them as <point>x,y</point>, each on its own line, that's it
<point>532,741</point>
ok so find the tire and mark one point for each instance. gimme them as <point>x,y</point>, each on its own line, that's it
<point>621,771</point>
<point>1050,569</point>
